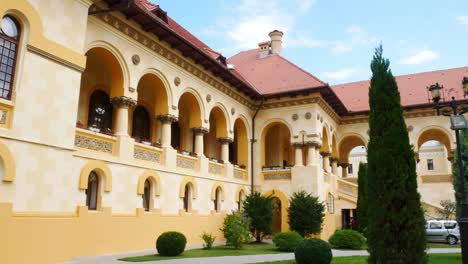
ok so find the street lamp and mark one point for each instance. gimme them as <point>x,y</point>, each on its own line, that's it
<point>455,109</point>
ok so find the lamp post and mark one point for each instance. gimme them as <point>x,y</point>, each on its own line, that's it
<point>455,110</point>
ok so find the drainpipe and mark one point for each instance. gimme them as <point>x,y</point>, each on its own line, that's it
<point>252,141</point>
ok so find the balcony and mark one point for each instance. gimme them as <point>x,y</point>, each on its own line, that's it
<point>216,168</point>
<point>186,162</point>
<point>144,152</point>
<point>276,173</point>
<point>94,141</point>
<point>240,174</point>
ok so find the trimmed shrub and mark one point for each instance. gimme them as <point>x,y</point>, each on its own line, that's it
<point>171,243</point>
<point>235,229</point>
<point>313,250</point>
<point>208,240</point>
<point>305,213</point>
<point>287,241</point>
<point>347,239</point>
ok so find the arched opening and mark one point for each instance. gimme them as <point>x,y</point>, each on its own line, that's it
<point>141,125</point>
<point>152,101</point>
<point>433,159</point>
<point>188,196</point>
<point>439,135</point>
<point>352,151</point>
<point>147,195</point>
<point>189,118</point>
<point>276,215</point>
<point>217,200</point>
<point>10,34</point>
<point>277,149</point>
<point>104,73</point>
<point>238,149</point>
<point>100,111</point>
<point>218,130</point>
<point>240,200</point>
<point>92,191</point>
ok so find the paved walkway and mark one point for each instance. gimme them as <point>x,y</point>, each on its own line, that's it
<point>113,259</point>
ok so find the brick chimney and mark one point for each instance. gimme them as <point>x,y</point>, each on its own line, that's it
<point>276,37</point>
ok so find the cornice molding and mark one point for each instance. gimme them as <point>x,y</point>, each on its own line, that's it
<point>173,57</point>
<point>54,58</point>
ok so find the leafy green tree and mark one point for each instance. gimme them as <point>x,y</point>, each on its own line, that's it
<point>396,224</point>
<point>235,229</point>
<point>305,213</point>
<point>259,210</point>
<point>464,150</point>
<point>362,198</point>
<point>448,209</point>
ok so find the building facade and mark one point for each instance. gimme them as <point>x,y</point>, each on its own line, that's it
<point>117,124</point>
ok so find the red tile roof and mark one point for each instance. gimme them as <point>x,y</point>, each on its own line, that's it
<point>412,88</point>
<point>273,74</point>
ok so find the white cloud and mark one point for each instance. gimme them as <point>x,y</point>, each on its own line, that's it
<point>342,74</point>
<point>420,57</point>
<point>357,37</point>
<point>462,20</point>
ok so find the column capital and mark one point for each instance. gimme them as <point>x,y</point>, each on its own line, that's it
<point>344,165</point>
<point>200,130</point>
<point>123,101</point>
<point>297,144</point>
<point>167,118</point>
<point>225,140</point>
<point>314,144</point>
<point>325,153</point>
<point>334,159</point>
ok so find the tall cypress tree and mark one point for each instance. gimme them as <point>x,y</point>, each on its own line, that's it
<point>456,173</point>
<point>362,198</point>
<point>396,232</point>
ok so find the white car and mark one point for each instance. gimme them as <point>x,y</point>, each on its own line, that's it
<point>443,231</point>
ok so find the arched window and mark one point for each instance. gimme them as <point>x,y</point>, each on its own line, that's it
<point>330,203</point>
<point>141,124</point>
<point>217,200</point>
<point>9,40</point>
<point>147,195</point>
<point>92,191</point>
<point>240,200</point>
<point>187,197</point>
<point>100,111</point>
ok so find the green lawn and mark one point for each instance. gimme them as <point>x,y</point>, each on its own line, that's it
<point>433,259</point>
<point>442,245</point>
<point>249,249</point>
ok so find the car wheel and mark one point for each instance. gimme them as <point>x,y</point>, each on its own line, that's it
<point>451,240</point>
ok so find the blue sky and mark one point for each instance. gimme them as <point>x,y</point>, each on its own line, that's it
<point>335,39</point>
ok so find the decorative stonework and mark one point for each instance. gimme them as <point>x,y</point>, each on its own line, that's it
<point>177,81</point>
<point>325,153</point>
<point>277,175</point>
<point>225,140</point>
<point>135,59</point>
<point>174,57</point>
<point>200,130</point>
<point>295,117</point>
<point>233,111</point>
<point>239,174</point>
<point>215,169</point>
<point>143,154</point>
<point>208,98</point>
<point>185,163</point>
<point>123,101</point>
<point>308,115</point>
<point>167,118</point>
<point>436,178</point>
<point>314,144</point>
<point>93,144</point>
<point>3,116</point>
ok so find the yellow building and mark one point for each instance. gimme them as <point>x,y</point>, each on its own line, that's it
<point>118,126</point>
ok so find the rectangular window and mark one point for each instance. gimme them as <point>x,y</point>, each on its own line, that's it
<point>350,169</point>
<point>430,164</point>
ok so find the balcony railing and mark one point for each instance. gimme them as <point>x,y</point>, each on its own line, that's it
<point>147,153</point>
<point>186,162</point>
<point>240,174</point>
<point>93,141</point>
<point>436,178</point>
<point>215,168</point>
<point>276,174</point>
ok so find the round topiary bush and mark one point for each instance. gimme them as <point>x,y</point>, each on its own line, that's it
<point>171,243</point>
<point>347,239</point>
<point>287,241</point>
<point>313,250</point>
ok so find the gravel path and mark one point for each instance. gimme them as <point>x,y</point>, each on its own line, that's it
<point>113,259</point>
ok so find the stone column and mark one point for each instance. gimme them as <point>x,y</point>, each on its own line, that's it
<point>122,104</point>
<point>334,165</point>
<point>166,122</point>
<point>345,169</point>
<point>225,148</point>
<point>312,157</point>
<point>326,160</point>
<point>298,160</point>
<point>199,133</point>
